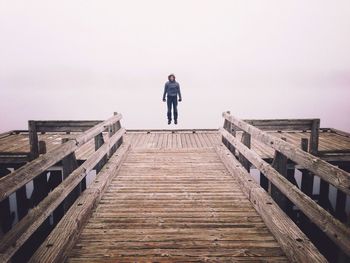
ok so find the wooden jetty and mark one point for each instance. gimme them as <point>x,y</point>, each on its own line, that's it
<point>253,190</point>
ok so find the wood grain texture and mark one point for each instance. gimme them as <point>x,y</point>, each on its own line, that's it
<point>292,240</point>
<point>332,146</point>
<point>175,205</point>
<point>330,173</point>
<point>332,227</point>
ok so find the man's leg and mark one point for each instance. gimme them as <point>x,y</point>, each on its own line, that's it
<point>175,108</point>
<point>168,101</point>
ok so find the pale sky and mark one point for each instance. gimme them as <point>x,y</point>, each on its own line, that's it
<point>85,59</point>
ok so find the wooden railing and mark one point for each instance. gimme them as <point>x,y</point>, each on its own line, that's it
<point>70,188</point>
<point>281,188</point>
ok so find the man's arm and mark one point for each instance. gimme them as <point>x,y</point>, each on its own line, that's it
<point>179,91</point>
<point>165,91</point>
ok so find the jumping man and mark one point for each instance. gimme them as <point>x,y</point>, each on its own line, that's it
<point>172,90</point>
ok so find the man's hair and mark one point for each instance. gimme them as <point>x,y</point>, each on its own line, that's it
<point>171,75</point>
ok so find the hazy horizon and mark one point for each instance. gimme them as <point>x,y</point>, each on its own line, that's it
<point>258,59</point>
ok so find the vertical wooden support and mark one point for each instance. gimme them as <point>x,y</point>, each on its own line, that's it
<point>69,164</point>
<point>224,141</point>
<point>22,202</point>
<point>315,128</point>
<point>246,140</point>
<point>225,126</point>
<point>117,127</point>
<point>40,185</point>
<point>341,200</point>
<point>6,217</point>
<point>54,180</point>
<point>307,179</point>
<point>280,164</point>
<point>98,143</point>
<point>111,131</point>
<point>264,182</point>
<point>307,184</point>
<point>33,140</point>
<point>231,130</point>
<point>324,195</point>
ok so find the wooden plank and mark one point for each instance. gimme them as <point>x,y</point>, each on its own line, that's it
<point>330,173</point>
<point>33,140</point>
<point>28,172</point>
<point>332,227</point>
<point>64,125</point>
<point>246,140</point>
<point>198,213</point>
<point>16,237</point>
<point>288,235</point>
<point>279,163</point>
<point>63,237</point>
<point>282,124</point>
<point>343,133</point>
<point>313,145</point>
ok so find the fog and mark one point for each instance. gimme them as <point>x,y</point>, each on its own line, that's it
<point>258,59</point>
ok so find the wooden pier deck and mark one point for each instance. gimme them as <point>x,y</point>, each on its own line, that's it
<point>175,195</point>
<point>175,205</point>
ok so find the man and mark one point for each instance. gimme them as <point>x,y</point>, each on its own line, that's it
<point>172,90</point>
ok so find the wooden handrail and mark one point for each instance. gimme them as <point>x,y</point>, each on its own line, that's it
<point>330,173</point>
<point>64,126</point>
<point>16,237</point>
<point>63,237</point>
<point>288,235</point>
<point>282,124</point>
<point>332,227</point>
<point>28,172</point>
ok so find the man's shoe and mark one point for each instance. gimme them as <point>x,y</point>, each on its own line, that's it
<point>169,121</point>
<point>175,121</point>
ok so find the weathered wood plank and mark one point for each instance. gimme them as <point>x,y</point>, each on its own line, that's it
<point>332,227</point>
<point>330,173</point>
<point>294,243</point>
<point>16,237</point>
<point>164,202</point>
<point>63,237</point>
<point>28,172</point>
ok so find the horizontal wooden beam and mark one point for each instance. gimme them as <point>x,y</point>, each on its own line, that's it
<point>281,124</point>
<point>64,125</point>
<point>330,173</point>
<point>28,172</point>
<point>287,234</point>
<point>332,227</point>
<point>14,157</point>
<point>20,233</point>
<point>63,237</point>
<point>343,133</point>
<point>170,130</point>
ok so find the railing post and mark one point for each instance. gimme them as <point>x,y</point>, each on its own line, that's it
<point>33,140</point>
<point>54,180</point>
<point>99,141</point>
<point>6,217</point>
<point>280,165</point>
<point>315,128</point>
<point>40,185</point>
<point>341,201</point>
<point>69,164</point>
<point>307,179</point>
<point>246,140</point>
<point>117,126</point>
<point>225,126</point>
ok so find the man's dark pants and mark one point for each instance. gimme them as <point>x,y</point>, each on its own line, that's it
<point>172,102</point>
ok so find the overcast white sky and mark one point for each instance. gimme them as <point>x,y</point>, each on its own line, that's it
<point>85,59</point>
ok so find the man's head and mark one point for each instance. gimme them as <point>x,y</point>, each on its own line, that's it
<point>171,77</point>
